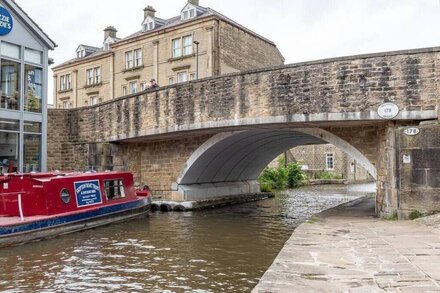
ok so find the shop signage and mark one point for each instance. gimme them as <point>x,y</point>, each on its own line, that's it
<point>87,193</point>
<point>411,131</point>
<point>6,22</point>
<point>388,110</point>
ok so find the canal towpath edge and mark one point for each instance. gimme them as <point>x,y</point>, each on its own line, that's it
<point>349,249</point>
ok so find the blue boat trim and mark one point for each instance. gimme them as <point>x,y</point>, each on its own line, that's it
<point>78,217</point>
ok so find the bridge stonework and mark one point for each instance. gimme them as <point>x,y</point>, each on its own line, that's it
<point>156,134</point>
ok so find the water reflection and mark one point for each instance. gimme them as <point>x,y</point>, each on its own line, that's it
<point>221,250</point>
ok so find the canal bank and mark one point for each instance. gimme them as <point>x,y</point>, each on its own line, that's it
<point>349,249</point>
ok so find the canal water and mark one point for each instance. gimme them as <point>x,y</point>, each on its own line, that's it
<point>219,250</point>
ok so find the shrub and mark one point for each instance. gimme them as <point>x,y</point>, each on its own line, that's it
<point>282,177</point>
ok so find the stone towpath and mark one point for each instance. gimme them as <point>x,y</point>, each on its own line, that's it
<point>348,249</point>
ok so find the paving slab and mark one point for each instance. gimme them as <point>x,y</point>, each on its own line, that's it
<point>349,249</point>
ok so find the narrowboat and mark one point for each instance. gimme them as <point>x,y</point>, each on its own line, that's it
<point>35,206</point>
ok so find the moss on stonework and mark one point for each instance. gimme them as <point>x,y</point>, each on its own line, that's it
<point>390,217</point>
<point>414,215</point>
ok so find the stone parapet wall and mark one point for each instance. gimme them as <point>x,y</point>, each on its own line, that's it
<point>334,90</point>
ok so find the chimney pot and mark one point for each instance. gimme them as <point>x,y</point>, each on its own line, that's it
<point>194,2</point>
<point>149,11</point>
<point>110,31</point>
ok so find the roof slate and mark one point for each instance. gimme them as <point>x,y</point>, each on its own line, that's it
<point>172,22</point>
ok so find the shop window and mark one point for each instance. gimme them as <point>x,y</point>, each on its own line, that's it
<point>114,189</point>
<point>10,50</point>
<point>10,84</point>
<point>32,147</point>
<point>9,146</point>
<point>32,127</point>
<point>33,89</point>
<point>33,56</point>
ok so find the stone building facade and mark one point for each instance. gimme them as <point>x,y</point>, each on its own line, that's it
<point>198,43</point>
<point>316,159</point>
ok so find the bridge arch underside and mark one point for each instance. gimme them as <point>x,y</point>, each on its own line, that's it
<point>230,163</point>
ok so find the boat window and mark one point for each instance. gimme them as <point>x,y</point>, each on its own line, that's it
<point>65,196</point>
<point>114,189</point>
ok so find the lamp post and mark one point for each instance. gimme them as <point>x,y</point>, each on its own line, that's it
<point>197,59</point>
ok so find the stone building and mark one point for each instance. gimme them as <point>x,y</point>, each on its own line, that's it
<point>23,91</point>
<point>198,43</point>
<point>317,159</point>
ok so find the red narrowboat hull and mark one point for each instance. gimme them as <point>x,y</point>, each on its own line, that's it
<point>100,199</point>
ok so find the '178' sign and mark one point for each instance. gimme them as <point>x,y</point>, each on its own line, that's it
<point>388,110</point>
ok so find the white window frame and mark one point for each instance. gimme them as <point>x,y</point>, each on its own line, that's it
<point>62,83</point>
<point>176,48</point>
<point>93,76</point>
<point>65,82</point>
<point>124,90</point>
<point>142,86</point>
<point>187,47</point>
<point>132,87</point>
<point>171,80</point>
<point>330,157</point>
<point>188,13</point>
<point>179,48</point>
<point>137,57</point>
<point>97,72</point>
<point>93,100</point>
<point>89,76</point>
<point>129,63</point>
<point>133,58</point>
<point>182,74</point>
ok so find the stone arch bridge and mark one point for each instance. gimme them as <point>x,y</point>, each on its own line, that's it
<point>212,137</point>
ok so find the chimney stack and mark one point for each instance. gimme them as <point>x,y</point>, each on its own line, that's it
<point>149,11</point>
<point>194,2</point>
<point>110,31</point>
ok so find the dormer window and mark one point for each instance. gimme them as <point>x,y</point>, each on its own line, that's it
<point>149,23</point>
<point>188,12</point>
<point>149,26</point>
<point>80,53</point>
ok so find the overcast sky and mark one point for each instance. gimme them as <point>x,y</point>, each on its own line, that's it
<point>302,29</point>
